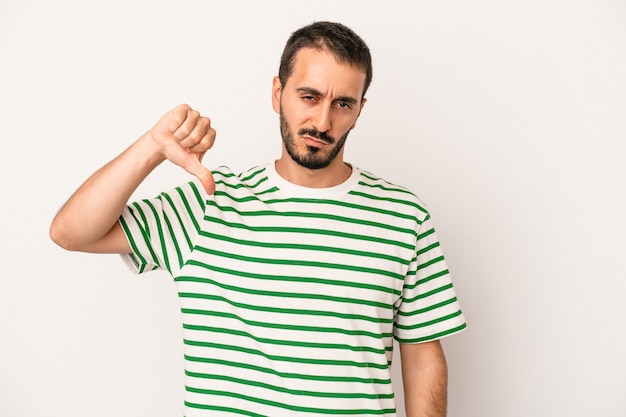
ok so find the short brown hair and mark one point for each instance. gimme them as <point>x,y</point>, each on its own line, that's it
<point>338,39</point>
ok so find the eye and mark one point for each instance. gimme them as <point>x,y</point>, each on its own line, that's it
<point>344,105</point>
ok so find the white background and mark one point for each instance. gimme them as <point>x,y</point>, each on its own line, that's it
<point>507,118</point>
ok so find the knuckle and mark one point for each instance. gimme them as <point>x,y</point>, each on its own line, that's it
<point>194,137</point>
<point>182,132</point>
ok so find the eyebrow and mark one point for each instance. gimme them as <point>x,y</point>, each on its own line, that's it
<point>314,92</point>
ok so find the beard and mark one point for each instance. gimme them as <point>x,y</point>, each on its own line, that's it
<point>312,157</point>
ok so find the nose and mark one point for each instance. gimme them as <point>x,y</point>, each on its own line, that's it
<point>321,119</point>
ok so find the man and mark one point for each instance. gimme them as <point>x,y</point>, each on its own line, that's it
<point>294,277</point>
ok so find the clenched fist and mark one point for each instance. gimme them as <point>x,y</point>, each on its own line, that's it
<point>183,136</point>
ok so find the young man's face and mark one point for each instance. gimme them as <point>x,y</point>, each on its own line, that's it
<point>318,107</point>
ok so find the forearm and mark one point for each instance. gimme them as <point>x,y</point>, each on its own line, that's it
<point>88,221</point>
<point>93,210</point>
<point>425,380</point>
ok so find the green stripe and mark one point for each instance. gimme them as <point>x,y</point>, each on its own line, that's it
<point>433,336</point>
<point>179,254</point>
<point>290,359</point>
<point>301,246</point>
<point>429,308</point>
<point>432,277</point>
<point>426,279</point>
<point>340,203</point>
<point>430,322</point>
<point>143,224</point>
<point>387,187</point>
<point>217,171</point>
<point>296,262</point>
<point>263,401</point>
<point>301,312</point>
<point>429,293</point>
<point>253,172</point>
<point>279,342</point>
<point>144,228</point>
<point>244,182</point>
<point>223,409</point>
<point>287,375</point>
<point>313,231</point>
<point>133,245</point>
<point>390,200</point>
<point>268,191</point>
<point>426,233</point>
<point>197,194</point>
<point>245,199</point>
<point>431,262</point>
<point>289,327</point>
<point>269,293</point>
<point>305,215</point>
<point>166,259</point>
<point>190,215</point>
<point>239,185</point>
<point>428,248</point>
<point>301,279</point>
<point>259,384</point>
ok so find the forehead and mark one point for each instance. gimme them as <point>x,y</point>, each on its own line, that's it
<point>320,70</point>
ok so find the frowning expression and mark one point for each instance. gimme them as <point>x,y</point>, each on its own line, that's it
<point>318,106</point>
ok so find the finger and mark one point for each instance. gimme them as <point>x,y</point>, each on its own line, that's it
<point>188,125</point>
<point>204,144</point>
<point>177,116</point>
<point>199,131</point>
<point>195,168</point>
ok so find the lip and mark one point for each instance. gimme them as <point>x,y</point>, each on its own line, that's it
<point>311,141</point>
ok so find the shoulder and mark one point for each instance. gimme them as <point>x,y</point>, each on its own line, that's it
<point>225,175</point>
<point>390,194</point>
<point>244,185</point>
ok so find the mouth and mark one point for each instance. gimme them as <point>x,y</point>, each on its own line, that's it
<point>313,141</point>
<point>315,138</point>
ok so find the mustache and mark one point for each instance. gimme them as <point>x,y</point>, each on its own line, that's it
<point>323,136</point>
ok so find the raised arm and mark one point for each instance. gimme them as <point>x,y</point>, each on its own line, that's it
<point>425,379</point>
<point>88,221</point>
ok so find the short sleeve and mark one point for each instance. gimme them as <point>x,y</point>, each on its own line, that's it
<point>429,309</point>
<point>162,231</point>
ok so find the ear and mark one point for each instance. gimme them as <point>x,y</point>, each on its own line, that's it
<point>277,90</point>
<point>363,101</point>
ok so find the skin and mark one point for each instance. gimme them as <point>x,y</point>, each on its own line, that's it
<point>320,95</point>
<point>321,99</point>
<point>88,221</point>
<point>425,379</point>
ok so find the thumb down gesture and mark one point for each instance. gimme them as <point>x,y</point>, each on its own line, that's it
<point>183,136</point>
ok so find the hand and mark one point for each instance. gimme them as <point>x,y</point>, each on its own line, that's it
<point>183,136</point>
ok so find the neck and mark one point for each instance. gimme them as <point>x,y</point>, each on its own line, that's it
<point>334,174</point>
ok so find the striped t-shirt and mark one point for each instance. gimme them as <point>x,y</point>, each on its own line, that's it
<point>291,296</point>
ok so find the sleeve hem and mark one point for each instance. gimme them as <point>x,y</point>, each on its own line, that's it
<point>434,336</point>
